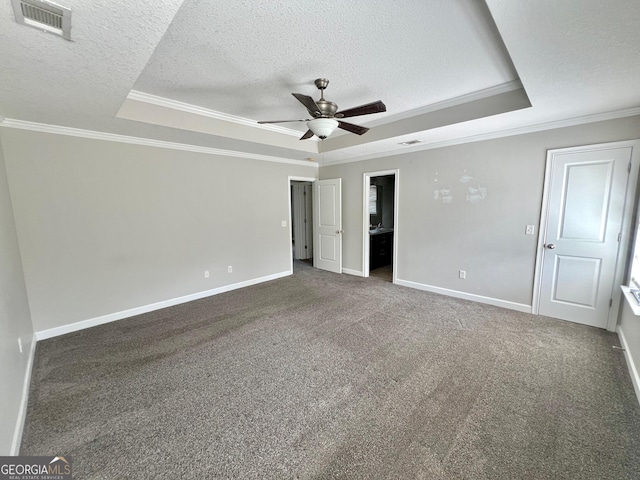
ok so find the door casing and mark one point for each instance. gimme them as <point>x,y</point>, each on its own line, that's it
<point>294,179</point>
<point>302,219</point>
<point>365,220</point>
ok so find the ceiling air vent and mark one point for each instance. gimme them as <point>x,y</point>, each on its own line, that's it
<point>44,16</point>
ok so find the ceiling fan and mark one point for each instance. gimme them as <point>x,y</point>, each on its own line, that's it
<point>326,118</point>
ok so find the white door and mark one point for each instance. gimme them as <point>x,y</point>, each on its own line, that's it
<point>586,196</point>
<point>327,224</point>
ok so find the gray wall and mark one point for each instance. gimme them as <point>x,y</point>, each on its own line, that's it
<point>105,227</point>
<point>480,231</point>
<point>15,320</point>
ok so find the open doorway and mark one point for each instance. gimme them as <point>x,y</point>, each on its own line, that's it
<point>301,220</point>
<point>380,225</point>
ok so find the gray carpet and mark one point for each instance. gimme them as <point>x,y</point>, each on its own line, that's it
<point>320,375</point>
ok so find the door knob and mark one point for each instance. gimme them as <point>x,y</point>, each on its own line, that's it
<point>550,246</point>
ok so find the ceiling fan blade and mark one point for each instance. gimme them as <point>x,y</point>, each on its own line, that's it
<point>282,121</point>
<point>373,107</point>
<point>308,134</point>
<point>308,102</point>
<point>350,127</point>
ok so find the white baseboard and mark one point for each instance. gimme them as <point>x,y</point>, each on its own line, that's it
<point>112,317</point>
<point>633,371</point>
<point>357,273</point>
<point>520,307</point>
<point>22,411</point>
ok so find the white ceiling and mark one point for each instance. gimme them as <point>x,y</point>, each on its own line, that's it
<point>202,73</point>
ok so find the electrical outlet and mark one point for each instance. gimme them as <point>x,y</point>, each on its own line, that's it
<point>530,230</point>
<point>229,269</point>
<point>284,223</point>
<point>462,274</point>
<point>206,274</point>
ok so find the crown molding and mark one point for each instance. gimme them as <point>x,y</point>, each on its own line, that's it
<point>434,107</point>
<point>449,103</point>
<point>113,137</point>
<point>569,122</point>
<point>205,112</point>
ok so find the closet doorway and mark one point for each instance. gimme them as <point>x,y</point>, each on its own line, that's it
<point>301,220</point>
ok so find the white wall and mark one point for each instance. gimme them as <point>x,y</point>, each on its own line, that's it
<point>15,322</point>
<point>486,238</point>
<point>105,227</point>
<point>629,332</point>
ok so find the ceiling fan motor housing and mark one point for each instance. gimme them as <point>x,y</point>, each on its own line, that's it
<point>327,109</point>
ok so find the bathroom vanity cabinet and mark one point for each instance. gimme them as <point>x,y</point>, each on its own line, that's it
<point>380,249</point>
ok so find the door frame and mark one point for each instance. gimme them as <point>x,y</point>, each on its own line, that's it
<point>365,219</point>
<point>626,228</point>
<point>294,178</point>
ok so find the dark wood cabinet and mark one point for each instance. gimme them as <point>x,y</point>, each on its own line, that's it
<point>380,250</point>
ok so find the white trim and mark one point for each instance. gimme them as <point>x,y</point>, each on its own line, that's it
<point>542,232</point>
<point>450,103</point>
<point>625,227</point>
<point>366,239</point>
<point>366,216</point>
<point>112,317</point>
<point>350,271</point>
<point>520,307</point>
<point>434,107</point>
<point>205,112</point>
<point>114,137</point>
<point>631,300</point>
<point>294,178</point>
<point>22,411</point>
<point>633,371</point>
<point>509,132</point>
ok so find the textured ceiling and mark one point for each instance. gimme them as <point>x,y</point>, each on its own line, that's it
<point>202,73</point>
<point>245,58</point>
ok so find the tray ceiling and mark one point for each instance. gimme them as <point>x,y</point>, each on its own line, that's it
<point>203,73</point>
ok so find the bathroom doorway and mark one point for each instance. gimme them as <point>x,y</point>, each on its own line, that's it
<point>380,232</point>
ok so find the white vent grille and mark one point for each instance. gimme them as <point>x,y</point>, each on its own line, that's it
<point>43,15</point>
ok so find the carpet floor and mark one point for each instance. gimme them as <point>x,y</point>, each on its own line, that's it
<point>321,376</point>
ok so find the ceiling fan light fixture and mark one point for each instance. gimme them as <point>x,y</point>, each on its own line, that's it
<point>322,127</point>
